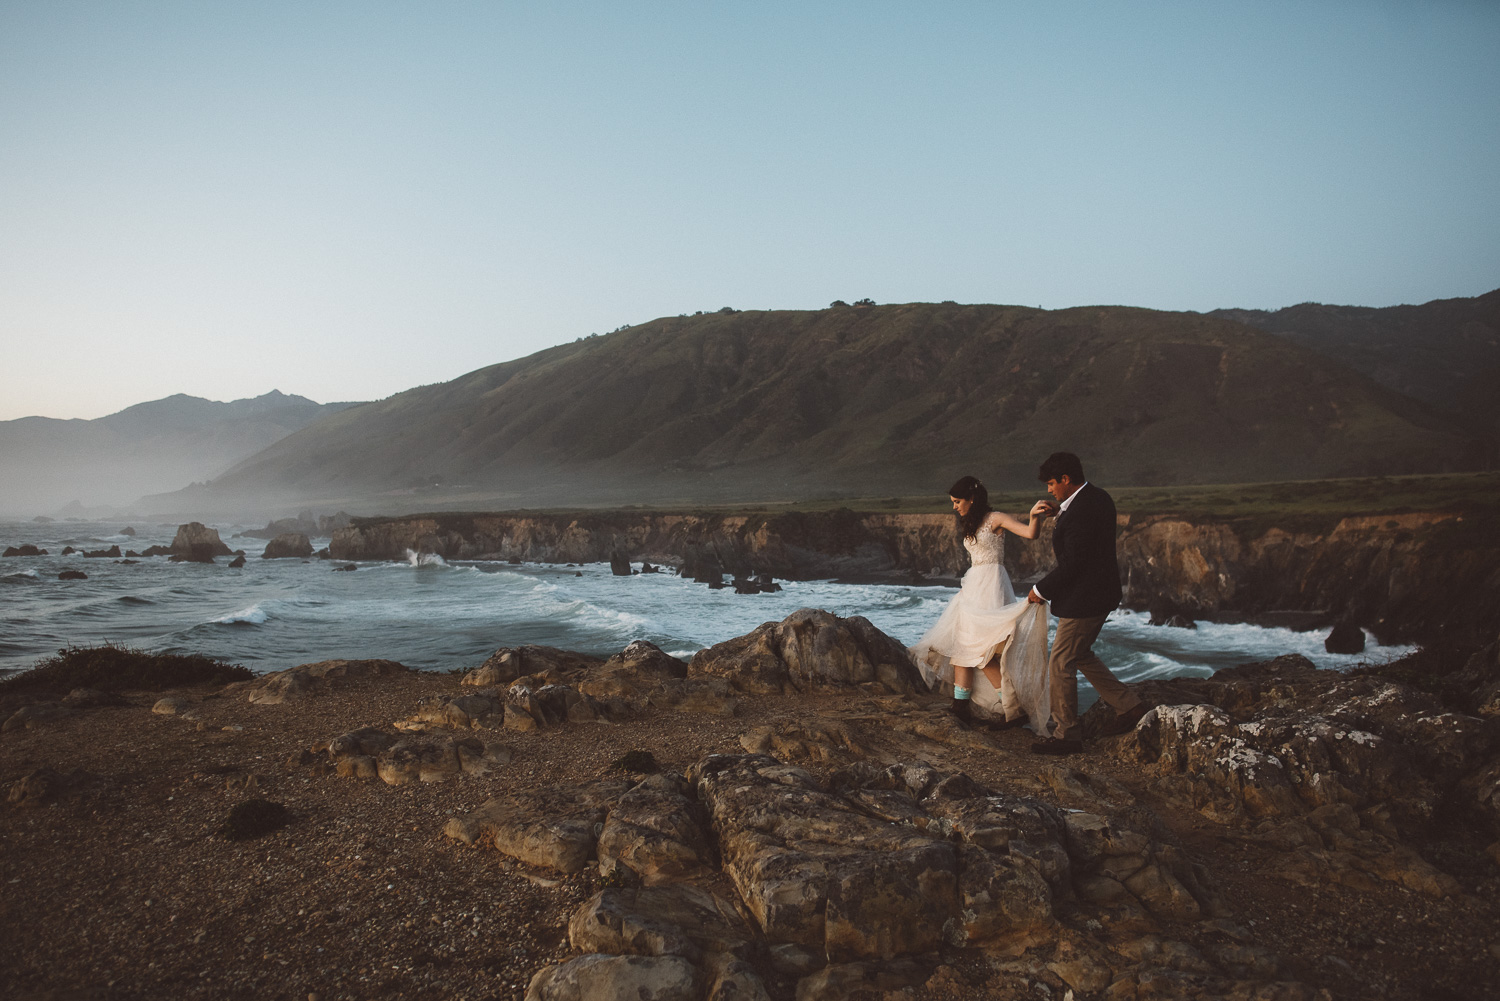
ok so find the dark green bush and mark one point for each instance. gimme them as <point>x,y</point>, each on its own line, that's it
<point>254,818</point>
<point>118,669</point>
<point>636,761</point>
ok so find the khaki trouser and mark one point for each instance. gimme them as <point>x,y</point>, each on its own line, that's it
<point>1072,651</point>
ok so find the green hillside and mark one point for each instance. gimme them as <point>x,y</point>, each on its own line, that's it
<point>875,400</point>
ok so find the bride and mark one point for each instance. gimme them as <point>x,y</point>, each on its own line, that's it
<point>985,626</point>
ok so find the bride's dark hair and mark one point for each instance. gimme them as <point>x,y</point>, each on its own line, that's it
<point>973,491</point>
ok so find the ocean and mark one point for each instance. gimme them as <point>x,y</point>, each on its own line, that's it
<point>436,616</point>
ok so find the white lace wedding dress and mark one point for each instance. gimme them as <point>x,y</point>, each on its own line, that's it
<point>984,620</point>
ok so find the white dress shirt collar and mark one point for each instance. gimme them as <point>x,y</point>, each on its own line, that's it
<point>1064,505</point>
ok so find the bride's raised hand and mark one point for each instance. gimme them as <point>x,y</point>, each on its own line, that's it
<point>1042,509</point>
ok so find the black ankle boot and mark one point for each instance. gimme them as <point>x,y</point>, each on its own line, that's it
<point>961,709</point>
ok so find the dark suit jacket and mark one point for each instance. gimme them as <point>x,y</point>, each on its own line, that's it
<point>1086,582</point>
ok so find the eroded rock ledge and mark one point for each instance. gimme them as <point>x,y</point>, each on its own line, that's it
<point>1413,577</point>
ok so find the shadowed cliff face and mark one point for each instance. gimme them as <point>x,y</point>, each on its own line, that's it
<point>1408,578</point>
<point>1445,352</point>
<point>889,399</point>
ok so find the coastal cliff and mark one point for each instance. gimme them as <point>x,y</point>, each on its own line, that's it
<point>1410,577</point>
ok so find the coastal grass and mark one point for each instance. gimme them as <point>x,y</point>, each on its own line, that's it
<point>113,668</point>
<point>1370,495</point>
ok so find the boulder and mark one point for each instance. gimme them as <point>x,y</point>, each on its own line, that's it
<point>171,705</point>
<point>72,575</point>
<point>24,550</point>
<point>553,827</point>
<point>288,545</point>
<point>812,650</point>
<point>112,553</point>
<point>465,712</point>
<point>35,788</point>
<point>1345,638</point>
<point>127,530</point>
<point>195,538</point>
<point>640,668</point>
<point>619,565</point>
<point>237,562</point>
<point>315,679</point>
<point>507,664</point>
<point>434,761</point>
<point>35,715</point>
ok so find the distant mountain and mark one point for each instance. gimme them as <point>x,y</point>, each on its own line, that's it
<point>873,400</point>
<point>162,445</point>
<point>1446,352</point>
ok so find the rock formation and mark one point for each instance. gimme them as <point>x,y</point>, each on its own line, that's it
<point>290,544</point>
<point>1406,577</point>
<point>26,549</point>
<point>195,539</point>
<point>312,679</point>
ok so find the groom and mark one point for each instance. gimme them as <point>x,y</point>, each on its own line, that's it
<point>1082,590</point>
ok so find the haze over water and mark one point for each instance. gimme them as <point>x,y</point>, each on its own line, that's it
<point>274,614</point>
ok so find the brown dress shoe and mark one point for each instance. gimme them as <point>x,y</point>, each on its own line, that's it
<point>1125,722</point>
<point>1057,745</point>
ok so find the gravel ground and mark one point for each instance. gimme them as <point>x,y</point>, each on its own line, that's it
<point>121,888</point>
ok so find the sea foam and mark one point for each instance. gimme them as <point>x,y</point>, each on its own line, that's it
<point>252,616</point>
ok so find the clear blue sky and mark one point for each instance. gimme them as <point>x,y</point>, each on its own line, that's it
<point>347,200</point>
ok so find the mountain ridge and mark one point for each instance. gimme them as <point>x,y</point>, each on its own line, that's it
<point>874,399</point>
<point>1445,352</point>
<point>46,462</point>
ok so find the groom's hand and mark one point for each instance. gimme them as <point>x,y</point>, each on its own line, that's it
<point>1035,599</point>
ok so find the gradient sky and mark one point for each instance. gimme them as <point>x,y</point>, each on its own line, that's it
<point>347,200</point>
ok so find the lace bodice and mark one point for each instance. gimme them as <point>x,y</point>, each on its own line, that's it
<point>986,546</point>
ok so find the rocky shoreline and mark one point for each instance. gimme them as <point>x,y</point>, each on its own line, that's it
<point>788,815</point>
<point>1414,577</point>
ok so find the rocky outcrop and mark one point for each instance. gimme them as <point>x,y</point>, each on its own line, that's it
<point>812,648</point>
<point>26,549</point>
<point>790,546</point>
<point>1410,577</point>
<point>1340,769</point>
<point>313,679</point>
<point>196,540</point>
<point>553,828</point>
<point>288,545</point>
<point>306,523</point>
<point>831,856</point>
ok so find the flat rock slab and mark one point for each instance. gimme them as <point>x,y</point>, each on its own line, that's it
<point>553,828</point>
<point>657,831</point>
<point>618,978</point>
<point>822,871</point>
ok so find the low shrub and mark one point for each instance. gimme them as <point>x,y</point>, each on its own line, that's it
<point>113,668</point>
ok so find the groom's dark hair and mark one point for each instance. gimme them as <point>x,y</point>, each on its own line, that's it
<point>1060,464</point>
